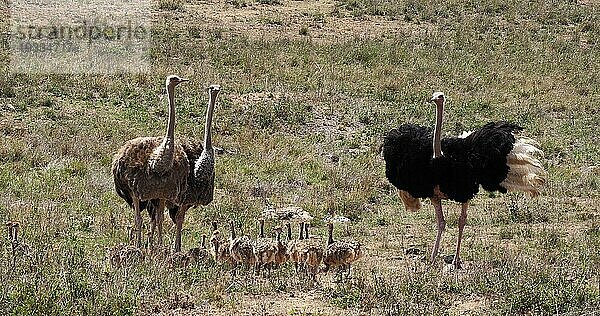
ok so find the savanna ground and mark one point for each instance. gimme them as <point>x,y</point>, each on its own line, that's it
<point>309,89</point>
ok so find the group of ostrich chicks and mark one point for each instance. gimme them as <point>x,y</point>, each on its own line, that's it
<point>307,252</point>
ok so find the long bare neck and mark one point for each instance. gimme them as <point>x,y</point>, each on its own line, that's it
<point>204,166</point>
<point>208,126</point>
<point>289,228</point>
<point>232,231</point>
<point>262,229</point>
<point>330,235</point>
<point>171,125</point>
<point>437,133</point>
<point>161,159</point>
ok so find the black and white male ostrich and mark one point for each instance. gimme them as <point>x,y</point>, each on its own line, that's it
<point>148,168</point>
<point>201,176</point>
<point>422,165</point>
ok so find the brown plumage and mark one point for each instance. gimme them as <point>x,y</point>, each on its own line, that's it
<point>18,247</point>
<point>123,255</point>
<point>12,233</point>
<point>199,254</point>
<point>311,255</point>
<point>281,256</point>
<point>288,213</point>
<point>179,260</point>
<point>265,249</point>
<point>147,168</point>
<point>341,253</point>
<point>241,248</point>
<point>220,246</point>
<point>298,249</point>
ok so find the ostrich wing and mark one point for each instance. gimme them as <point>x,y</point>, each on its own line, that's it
<point>478,159</point>
<point>407,151</point>
<point>130,168</point>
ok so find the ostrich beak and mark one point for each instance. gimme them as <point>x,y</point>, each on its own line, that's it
<point>184,79</point>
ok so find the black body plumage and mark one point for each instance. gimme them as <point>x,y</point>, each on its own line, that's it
<point>466,163</point>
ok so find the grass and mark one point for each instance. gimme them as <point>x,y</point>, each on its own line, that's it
<point>290,102</point>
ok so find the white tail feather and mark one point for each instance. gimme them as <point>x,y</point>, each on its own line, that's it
<point>465,134</point>
<point>526,172</point>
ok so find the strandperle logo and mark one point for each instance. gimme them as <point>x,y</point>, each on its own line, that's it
<point>80,36</point>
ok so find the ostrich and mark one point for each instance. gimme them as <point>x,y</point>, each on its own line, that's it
<point>241,248</point>
<point>11,230</point>
<point>220,247</point>
<point>265,249</point>
<point>312,255</point>
<point>201,178</point>
<point>341,253</point>
<point>454,168</point>
<point>147,168</point>
<point>295,248</point>
<point>281,256</point>
<point>199,254</point>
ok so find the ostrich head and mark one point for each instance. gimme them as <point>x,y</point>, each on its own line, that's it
<point>438,98</point>
<point>214,90</point>
<point>278,230</point>
<point>174,80</point>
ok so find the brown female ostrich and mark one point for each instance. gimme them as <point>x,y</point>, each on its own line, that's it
<point>147,168</point>
<point>493,157</point>
<point>201,177</point>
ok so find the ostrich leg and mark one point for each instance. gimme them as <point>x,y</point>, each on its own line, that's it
<point>160,216</point>
<point>441,225</point>
<point>462,220</point>
<point>138,221</point>
<point>156,219</point>
<point>179,224</point>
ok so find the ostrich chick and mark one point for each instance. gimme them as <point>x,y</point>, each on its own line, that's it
<point>241,248</point>
<point>311,255</point>
<point>341,253</point>
<point>265,249</point>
